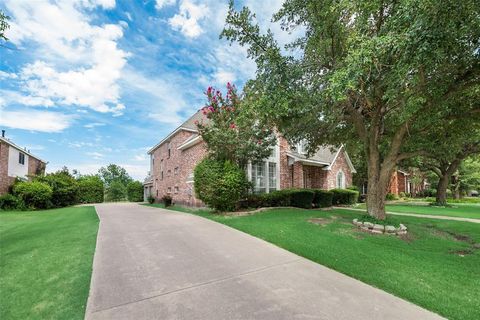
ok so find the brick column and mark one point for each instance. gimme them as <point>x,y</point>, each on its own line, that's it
<point>297,175</point>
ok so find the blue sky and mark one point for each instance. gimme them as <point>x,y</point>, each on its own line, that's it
<point>92,82</point>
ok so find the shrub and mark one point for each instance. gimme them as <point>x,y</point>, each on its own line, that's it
<point>402,195</point>
<point>64,187</point>
<point>220,184</point>
<point>167,200</point>
<point>344,196</point>
<point>34,194</point>
<point>90,189</point>
<point>302,198</point>
<point>391,196</point>
<point>323,198</point>
<point>280,198</point>
<point>135,191</point>
<point>116,191</point>
<point>10,202</point>
<point>151,199</point>
<point>429,192</point>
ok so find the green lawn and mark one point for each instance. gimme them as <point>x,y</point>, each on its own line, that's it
<point>428,267</point>
<point>46,262</point>
<point>456,210</point>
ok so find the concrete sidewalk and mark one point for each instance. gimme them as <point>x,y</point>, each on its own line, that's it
<point>427,216</point>
<point>152,263</point>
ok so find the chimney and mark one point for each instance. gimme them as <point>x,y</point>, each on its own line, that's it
<point>3,133</point>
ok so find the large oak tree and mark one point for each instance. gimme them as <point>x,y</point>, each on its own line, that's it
<point>376,72</point>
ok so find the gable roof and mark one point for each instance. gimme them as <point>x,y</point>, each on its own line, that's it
<point>325,156</point>
<point>7,141</point>
<point>188,125</point>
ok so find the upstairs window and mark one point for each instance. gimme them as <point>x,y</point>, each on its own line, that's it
<point>169,149</point>
<point>175,171</point>
<point>302,147</point>
<point>21,158</point>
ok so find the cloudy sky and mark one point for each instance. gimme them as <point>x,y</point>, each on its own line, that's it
<point>92,82</point>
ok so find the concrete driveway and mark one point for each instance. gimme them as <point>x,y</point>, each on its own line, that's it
<point>153,263</point>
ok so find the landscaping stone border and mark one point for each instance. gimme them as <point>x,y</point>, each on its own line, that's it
<point>380,228</point>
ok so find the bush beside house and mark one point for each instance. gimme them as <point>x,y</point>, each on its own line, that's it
<point>34,194</point>
<point>220,184</point>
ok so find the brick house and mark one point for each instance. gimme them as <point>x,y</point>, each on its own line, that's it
<point>411,182</point>
<point>173,160</point>
<point>16,162</point>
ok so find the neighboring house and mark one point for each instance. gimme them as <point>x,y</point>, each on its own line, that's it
<point>411,182</point>
<point>173,159</point>
<point>16,162</point>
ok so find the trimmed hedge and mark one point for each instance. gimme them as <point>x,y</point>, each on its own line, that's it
<point>323,198</point>
<point>344,196</point>
<point>302,198</point>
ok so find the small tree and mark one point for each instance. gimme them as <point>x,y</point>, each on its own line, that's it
<point>90,189</point>
<point>232,132</point>
<point>220,184</point>
<point>135,191</point>
<point>64,187</point>
<point>113,173</point>
<point>116,191</point>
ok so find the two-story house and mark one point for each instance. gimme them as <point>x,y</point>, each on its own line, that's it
<point>16,162</point>
<point>173,159</point>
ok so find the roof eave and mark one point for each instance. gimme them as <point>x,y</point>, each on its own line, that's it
<point>168,137</point>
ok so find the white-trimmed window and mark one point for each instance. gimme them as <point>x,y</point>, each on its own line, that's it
<point>340,180</point>
<point>272,176</point>
<point>258,177</point>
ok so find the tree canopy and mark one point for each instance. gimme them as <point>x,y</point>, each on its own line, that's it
<point>377,73</point>
<point>232,131</point>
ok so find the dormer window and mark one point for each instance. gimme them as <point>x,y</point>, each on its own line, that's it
<point>302,147</point>
<point>21,158</point>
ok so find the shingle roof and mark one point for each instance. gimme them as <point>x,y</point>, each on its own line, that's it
<point>323,154</point>
<point>190,123</point>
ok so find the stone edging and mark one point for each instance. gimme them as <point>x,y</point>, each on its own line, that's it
<point>380,228</point>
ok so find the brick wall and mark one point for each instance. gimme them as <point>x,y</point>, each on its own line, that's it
<point>34,166</point>
<point>5,180</point>
<point>339,164</point>
<point>310,176</point>
<point>181,191</point>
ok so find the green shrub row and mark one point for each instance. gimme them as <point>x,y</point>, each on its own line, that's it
<point>301,198</point>
<point>344,196</point>
<point>54,190</point>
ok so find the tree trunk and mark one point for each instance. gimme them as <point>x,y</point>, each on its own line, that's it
<point>378,179</point>
<point>441,198</point>
<point>376,199</point>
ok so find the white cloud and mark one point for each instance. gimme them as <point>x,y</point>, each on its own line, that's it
<point>187,20</point>
<point>95,155</point>
<point>163,3</point>
<point>80,62</point>
<point>45,121</point>
<point>94,124</point>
